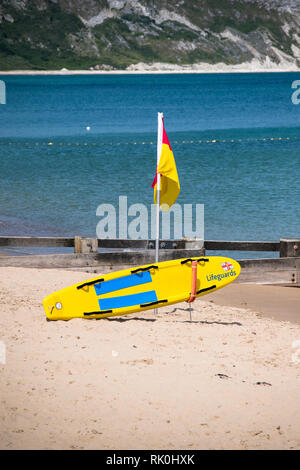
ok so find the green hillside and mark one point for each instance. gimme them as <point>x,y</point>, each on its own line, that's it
<point>104,34</point>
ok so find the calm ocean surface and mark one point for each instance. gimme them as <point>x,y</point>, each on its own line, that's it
<point>248,182</point>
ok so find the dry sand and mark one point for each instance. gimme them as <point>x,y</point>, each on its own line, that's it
<point>225,380</point>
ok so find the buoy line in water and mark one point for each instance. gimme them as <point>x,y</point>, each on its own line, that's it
<point>175,142</point>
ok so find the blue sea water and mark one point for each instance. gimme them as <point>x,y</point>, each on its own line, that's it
<point>235,137</point>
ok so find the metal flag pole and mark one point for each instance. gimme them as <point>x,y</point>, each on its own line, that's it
<point>159,144</point>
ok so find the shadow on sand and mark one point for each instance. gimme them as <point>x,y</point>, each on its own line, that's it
<point>204,322</point>
<point>121,319</point>
<point>151,320</point>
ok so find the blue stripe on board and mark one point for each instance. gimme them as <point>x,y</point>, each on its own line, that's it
<point>127,300</point>
<point>123,283</point>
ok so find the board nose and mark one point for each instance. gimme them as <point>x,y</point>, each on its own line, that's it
<point>52,305</point>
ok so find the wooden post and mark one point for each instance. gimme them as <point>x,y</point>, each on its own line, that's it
<point>77,244</point>
<point>85,245</point>
<point>196,244</point>
<point>89,245</point>
<point>289,247</point>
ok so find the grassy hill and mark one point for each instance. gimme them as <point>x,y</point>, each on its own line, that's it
<point>104,34</point>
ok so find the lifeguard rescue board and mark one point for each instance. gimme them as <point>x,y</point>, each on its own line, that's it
<point>142,288</point>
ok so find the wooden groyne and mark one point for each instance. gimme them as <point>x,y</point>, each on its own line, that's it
<point>104,255</point>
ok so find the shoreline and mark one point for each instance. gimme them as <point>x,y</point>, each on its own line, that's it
<point>145,72</point>
<point>157,71</point>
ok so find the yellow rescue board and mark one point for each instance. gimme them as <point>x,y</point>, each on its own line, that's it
<point>138,289</point>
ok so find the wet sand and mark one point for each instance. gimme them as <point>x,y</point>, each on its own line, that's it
<point>280,303</point>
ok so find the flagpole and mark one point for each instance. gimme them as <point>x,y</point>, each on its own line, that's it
<point>159,144</point>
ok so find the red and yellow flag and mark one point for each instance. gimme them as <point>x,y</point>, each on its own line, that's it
<point>169,181</point>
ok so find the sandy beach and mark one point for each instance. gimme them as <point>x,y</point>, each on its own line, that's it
<point>228,379</point>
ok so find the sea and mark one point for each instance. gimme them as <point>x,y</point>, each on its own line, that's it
<point>71,143</point>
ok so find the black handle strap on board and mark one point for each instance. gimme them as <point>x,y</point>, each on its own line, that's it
<point>154,303</point>
<point>206,289</point>
<point>140,270</point>
<point>188,260</point>
<point>87,314</point>
<point>90,283</point>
